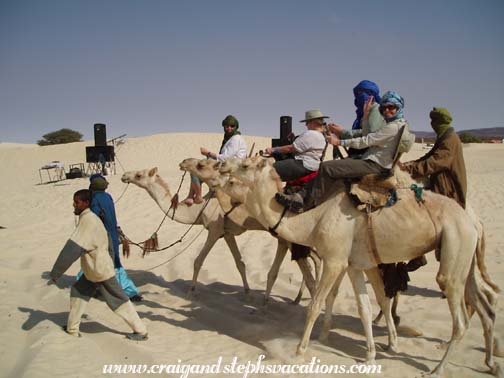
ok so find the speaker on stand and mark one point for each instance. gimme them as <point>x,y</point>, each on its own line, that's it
<point>100,134</point>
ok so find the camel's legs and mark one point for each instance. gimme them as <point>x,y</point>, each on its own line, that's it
<point>326,327</point>
<point>281,251</point>
<point>460,319</point>
<point>307,275</point>
<point>478,302</point>
<point>385,304</point>
<point>317,263</point>
<point>331,273</point>
<point>365,312</point>
<point>212,238</point>
<point>233,247</point>
<point>300,292</point>
<point>451,279</point>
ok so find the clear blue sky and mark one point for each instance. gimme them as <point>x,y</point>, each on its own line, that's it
<point>147,67</point>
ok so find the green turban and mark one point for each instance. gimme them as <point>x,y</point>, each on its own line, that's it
<point>230,121</point>
<point>440,120</point>
<point>98,184</point>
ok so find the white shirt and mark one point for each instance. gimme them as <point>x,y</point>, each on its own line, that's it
<point>235,147</point>
<point>91,236</point>
<point>309,147</point>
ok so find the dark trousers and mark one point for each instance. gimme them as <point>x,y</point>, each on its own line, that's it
<point>291,169</point>
<point>330,174</point>
<point>110,290</point>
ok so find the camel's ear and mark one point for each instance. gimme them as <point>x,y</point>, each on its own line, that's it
<point>153,171</point>
<point>262,163</point>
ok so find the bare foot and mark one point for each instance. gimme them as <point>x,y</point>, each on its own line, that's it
<point>198,200</point>
<point>188,201</point>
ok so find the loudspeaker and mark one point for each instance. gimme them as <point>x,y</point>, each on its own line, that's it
<point>285,127</point>
<point>99,154</point>
<point>285,132</point>
<point>100,134</point>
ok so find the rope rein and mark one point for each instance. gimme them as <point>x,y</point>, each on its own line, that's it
<point>151,244</point>
<point>122,194</point>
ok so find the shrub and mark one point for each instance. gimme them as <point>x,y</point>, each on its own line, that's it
<point>466,137</point>
<point>60,137</point>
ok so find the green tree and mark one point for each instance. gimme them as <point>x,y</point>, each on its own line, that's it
<point>60,137</point>
<point>466,137</point>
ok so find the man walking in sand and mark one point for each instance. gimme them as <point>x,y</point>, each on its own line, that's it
<point>91,244</point>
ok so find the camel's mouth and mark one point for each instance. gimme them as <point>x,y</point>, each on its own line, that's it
<point>125,179</point>
<point>186,164</point>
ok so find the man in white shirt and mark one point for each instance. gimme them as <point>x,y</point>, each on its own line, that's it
<point>91,243</point>
<point>307,148</point>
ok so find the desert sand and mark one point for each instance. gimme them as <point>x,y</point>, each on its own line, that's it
<point>219,321</point>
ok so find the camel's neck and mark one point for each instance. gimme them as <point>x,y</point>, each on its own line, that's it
<point>237,213</point>
<point>224,199</point>
<point>262,205</point>
<point>160,192</point>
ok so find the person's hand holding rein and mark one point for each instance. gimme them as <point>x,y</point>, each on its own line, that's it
<point>333,139</point>
<point>335,129</point>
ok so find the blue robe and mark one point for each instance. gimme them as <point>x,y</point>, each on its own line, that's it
<point>102,205</point>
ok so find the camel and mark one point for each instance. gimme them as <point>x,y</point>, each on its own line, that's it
<point>339,232</point>
<point>208,171</point>
<point>218,223</point>
<point>231,196</point>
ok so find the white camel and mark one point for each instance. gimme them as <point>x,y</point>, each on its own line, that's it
<point>231,195</point>
<point>208,171</point>
<point>339,232</point>
<point>218,223</point>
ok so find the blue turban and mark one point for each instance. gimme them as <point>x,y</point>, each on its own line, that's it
<point>362,92</point>
<point>394,98</point>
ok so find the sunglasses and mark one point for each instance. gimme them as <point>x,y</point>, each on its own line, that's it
<point>387,107</point>
<point>225,126</point>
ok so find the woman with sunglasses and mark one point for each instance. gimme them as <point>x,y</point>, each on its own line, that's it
<point>378,158</point>
<point>233,146</point>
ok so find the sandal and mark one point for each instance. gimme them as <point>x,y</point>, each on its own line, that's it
<point>137,336</point>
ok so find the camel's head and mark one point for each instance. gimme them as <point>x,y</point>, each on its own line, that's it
<point>235,189</point>
<point>246,170</point>
<point>203,169</point>
<point>229,166</point>
<point>206,169</point>
<point>140,178</point>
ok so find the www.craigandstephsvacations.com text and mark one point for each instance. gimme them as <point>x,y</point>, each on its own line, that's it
<point>243,368</point>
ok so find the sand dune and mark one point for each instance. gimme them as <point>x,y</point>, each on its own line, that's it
<point>219,321</point>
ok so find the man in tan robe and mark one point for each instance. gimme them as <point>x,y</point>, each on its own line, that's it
<point>90,243</point>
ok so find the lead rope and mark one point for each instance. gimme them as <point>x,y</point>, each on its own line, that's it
<point>174,200</point>
<point>151,244</point>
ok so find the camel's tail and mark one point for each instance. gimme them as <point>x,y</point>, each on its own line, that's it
<point>480,259</point>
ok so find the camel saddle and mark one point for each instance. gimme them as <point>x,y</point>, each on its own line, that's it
<point>374,192</point>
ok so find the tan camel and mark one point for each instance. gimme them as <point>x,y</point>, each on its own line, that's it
<point>208,171</point>
<point>339,232</point>
<point>218,224</point>
<point>231,195</point>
